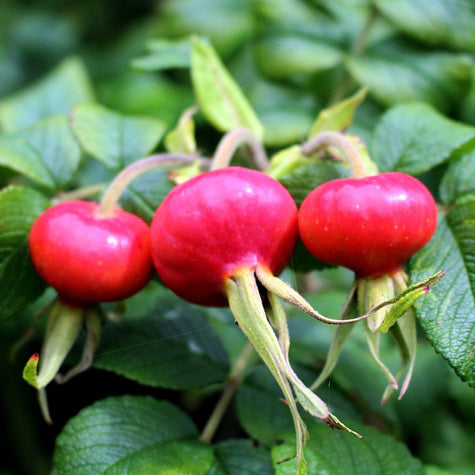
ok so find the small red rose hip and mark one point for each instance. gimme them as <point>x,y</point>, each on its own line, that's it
<point>371,225</point>
<point>212,225</point>
<point>89,258</point>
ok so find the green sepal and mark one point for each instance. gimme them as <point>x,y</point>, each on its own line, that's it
<point>246,305</point>
<point>181,139</point>
<point>407,298</point>
<point>373,291</point>
<point>93,324</point>
<point>340,335</point>
<point>31,370</point>
<point>401,307</point>
<point>404,333</point>
<point>63,327</point>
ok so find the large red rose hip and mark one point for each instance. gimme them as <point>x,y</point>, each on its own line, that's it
<point>371,225</point>
<point>212,225</point>
<point>89,258</point>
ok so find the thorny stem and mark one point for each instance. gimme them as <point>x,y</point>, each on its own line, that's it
<point>339,141</point>
<point>232,384</point>
<point>232,141</point>
<point>121,181</point>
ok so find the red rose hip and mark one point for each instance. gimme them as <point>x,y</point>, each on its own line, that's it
<point>89,258</point>
<point>212,225</point>
<point>371,225</point>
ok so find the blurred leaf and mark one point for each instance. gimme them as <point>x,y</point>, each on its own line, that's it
<point>174,347</point>
<point>286,112</point>
<point>16,154</point>
<point>331,451</point>
<point>146,94</point>
<point>447,312</point>
<point>241,457</point>
<point>219,96</point>
<point>115,139</point>
<point>67,85</point>
<point>20,285</point>
<point>338,117</point>
<point>55,143</point>
<point>102,435</point>
<point>436,22</point>
<point>227,23</point>
<point>171,457</point>
<point>164,54</point>
<point>414,138</point>
<point>394,74</point>
<point>458,179</point>
<point>298,16</point>
<point>284,56</point>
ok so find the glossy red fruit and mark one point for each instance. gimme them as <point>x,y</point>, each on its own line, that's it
<point>216,223</point>
<point>89,258</point>
<point>371,225</point>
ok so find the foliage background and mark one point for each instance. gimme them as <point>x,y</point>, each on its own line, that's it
<point>291,58</point>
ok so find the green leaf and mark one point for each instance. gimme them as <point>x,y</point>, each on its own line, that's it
<point>226,22</point>
<point>330,451</point>
<point>219,96</point>
<point>458,179</point>
<point>55,143</point>
<point>414,138</point>
<point>114,139</point>
<point>168,458</point>
<point>68,84</point>
<point>241,457</point>
<point>117,428</point>
<point>172,347</point>
<point>436,22</point>
<point>20,285</point>
<point>395,74</point>
<point>21,157</point>
<point>301,181</point>
<point>338,117</point>
<point>447,313</point>
<point>164,54</point>
<point>284,56</point>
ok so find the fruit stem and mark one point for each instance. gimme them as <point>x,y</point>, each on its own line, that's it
<point>339,141</point>
<point>121,181</point>
<point>233,382</point>
<point>232,141</point>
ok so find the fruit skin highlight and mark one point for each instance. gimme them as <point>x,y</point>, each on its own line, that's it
<point>89,258</point>
<point>212,225</point>
<point>371,225</point>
